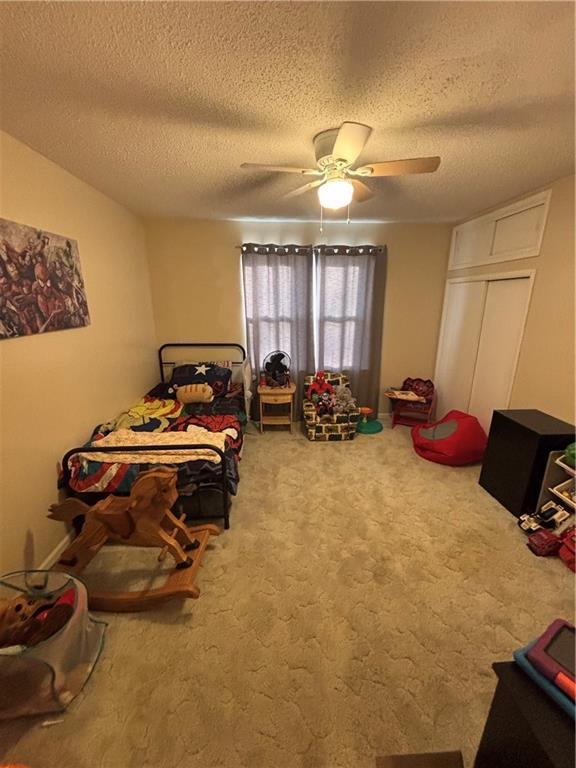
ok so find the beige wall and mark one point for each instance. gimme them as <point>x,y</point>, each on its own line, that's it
<point>197,287</point>
<point>55,387</point>
<point>545,375</point>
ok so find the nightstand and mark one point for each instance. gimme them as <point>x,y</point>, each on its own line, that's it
<point>276,396</point>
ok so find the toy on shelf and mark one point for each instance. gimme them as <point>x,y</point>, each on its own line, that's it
<point>276,371</point>
<point>144,519</point>
<point>569,457</point>
<point>566,491</point>
<point>367,427</point>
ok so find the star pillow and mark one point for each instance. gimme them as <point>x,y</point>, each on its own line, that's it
<point>202,373</point>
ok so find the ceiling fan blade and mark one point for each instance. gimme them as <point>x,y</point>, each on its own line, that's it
<point>282,169</point>
<point>350,141</point>
<point>361,191</point>
<point>400,167</point>
<point>305,188</point>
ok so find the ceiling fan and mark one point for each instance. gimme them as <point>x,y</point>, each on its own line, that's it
<point>336,150</point>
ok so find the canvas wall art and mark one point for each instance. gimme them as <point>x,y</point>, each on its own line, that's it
<point>41,285</point>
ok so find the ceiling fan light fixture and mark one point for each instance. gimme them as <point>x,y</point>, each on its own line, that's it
<point>335,193</point>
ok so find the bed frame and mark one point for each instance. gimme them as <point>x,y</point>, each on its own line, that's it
<point>219,484</point>
<point>165,365</point>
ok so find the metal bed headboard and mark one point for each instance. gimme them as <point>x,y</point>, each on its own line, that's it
<point>192,345</point>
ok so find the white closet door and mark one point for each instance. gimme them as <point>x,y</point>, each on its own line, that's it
<point>456,359</point>
<point>502,329</point>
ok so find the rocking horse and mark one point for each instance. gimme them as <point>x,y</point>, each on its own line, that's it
<point>144,519</point>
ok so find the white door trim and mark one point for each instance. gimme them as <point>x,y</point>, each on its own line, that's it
<point>488,278</point>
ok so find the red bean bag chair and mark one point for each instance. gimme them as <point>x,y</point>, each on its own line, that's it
<point>456,439</point>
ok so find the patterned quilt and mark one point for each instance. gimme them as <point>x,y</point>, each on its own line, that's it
<point>160,415</point>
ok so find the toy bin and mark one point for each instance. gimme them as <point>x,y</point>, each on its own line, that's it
<point>46,660</point>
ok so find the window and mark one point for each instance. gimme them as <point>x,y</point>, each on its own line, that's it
<point>271,304</point>
<point>343,301</point>
<point>322,305</point>
<point>277,300</point>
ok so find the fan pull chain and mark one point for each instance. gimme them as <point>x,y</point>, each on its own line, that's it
<point>321,219</point>
<point>348,215</point>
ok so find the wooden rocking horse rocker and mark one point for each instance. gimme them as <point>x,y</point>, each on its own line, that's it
<point>144,519</point>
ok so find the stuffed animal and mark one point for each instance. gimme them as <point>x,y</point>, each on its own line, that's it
<point>195,393</point>
<point>325,404</point>
<point>318,387</point>
<point>343,400</point>
<point>29,621</point>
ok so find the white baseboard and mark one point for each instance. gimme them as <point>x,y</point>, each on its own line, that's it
<point>49,561</point>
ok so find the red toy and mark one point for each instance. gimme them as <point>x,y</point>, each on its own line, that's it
<point>543,543</point>
<point>567,551</point>
<point>456,439</point>
<point>319,387</point>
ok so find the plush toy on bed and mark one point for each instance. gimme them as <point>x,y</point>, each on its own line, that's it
<point>194,393</point>
<point>216,376</point>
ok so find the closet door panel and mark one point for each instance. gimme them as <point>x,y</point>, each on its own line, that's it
<point>500,338</point>
<point>459,337</point>
<point>520,233</point>
<point>471,240</point>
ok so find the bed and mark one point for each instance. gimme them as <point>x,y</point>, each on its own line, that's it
<point>203,440</point>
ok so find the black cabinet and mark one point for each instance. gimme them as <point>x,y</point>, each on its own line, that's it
<point>515,460</point>
<point>525,728</point>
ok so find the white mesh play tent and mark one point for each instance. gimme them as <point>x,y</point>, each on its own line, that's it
<point>47,675</point>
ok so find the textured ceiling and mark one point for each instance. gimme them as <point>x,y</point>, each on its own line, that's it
<point>157,104</point>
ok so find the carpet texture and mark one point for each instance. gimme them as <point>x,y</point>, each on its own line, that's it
<point>353,610</point>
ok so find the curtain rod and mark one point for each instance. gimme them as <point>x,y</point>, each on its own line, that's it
<point>290,245</point>
<point>321,245</point>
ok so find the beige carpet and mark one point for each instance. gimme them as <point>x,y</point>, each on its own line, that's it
<point>353,610</point>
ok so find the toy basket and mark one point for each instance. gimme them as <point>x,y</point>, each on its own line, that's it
<point>45,677</point>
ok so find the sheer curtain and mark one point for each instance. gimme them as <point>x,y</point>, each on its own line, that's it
<point>349,307</point>
<point>278,302</point>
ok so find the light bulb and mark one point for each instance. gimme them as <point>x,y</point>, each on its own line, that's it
<point>335,193</point>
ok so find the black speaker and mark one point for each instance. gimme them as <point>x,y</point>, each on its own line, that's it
<point>515,460</point>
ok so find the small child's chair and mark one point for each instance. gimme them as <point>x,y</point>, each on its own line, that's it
<point>411,412</point>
